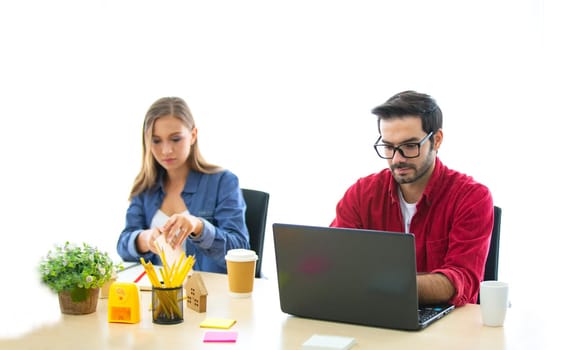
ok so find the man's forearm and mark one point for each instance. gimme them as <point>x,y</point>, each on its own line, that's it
<point>434,288</point>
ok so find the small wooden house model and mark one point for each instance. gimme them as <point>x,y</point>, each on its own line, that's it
<point>196,293</point>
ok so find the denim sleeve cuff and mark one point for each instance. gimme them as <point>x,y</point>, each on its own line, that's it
<point>132,244</point>
<point>206,239</point>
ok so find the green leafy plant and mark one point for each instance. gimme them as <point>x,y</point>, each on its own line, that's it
<point>77,269</point>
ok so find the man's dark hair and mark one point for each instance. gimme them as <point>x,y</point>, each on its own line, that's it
<point>411,103</point>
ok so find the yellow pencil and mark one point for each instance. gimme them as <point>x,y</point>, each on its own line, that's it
<point>177,269</point>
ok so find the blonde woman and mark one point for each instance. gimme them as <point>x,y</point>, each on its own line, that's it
<point>196,205</point>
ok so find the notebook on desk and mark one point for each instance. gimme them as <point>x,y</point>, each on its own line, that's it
<point>350,275</point>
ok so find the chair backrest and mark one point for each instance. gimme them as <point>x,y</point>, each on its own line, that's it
<point>491,266</point>
<point>256,214</point>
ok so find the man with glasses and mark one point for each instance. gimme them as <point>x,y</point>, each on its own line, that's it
<point>450,214</point>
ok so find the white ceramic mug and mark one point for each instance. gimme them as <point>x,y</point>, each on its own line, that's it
<point>493,302</point>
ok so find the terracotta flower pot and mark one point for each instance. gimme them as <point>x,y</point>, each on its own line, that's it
<point>69,306</point>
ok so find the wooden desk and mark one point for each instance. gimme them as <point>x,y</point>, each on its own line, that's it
<point>262,325</point>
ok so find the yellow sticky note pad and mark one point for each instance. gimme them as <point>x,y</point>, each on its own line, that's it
<point>223,323</point>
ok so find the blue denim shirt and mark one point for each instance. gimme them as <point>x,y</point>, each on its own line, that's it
<point>214,198</point>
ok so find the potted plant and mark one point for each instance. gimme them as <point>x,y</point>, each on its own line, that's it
<point>76,273</point>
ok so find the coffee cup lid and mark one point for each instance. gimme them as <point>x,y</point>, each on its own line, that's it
<point>241,255</point>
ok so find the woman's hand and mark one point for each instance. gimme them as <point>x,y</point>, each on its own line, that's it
<point>179,226</point>
<point>146,239</point>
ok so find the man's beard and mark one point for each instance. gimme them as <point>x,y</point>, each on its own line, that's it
<point>418,172</point>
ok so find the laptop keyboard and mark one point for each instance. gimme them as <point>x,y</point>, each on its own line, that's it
<point>427,313</point>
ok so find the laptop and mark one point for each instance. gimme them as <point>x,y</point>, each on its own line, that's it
<point>353,276</point>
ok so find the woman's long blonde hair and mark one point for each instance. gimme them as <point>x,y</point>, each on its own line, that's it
<point>148,176</point>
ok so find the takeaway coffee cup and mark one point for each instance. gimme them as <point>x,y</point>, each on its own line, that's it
<point>493,302</point>
<point>241,265</point>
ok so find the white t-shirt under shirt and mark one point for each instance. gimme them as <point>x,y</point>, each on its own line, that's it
<point>408,210</point>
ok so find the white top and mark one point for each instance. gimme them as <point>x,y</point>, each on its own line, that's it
<point>408,211</point>
<point>160,218</point>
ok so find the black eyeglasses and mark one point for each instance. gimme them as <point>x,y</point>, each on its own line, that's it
<point>407,150</point>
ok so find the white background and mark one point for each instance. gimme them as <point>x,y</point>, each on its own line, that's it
<point>282,92</point>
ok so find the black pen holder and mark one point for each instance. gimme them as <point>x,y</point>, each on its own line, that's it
<point>167,305</point>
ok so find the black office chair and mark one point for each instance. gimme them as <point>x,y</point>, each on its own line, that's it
<point>491,266</point>
<point>256,214</point>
